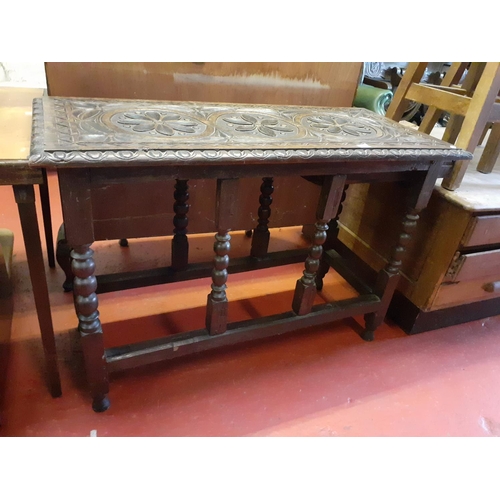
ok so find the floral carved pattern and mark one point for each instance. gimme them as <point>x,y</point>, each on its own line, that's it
<point>258,123</point>
<point>340,125</point>
<point>109,132</point>
<point>168,124</point>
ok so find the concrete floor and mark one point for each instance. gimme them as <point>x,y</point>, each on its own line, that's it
<point>322,381</point>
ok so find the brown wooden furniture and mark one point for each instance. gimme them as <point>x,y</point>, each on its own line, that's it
<point>473,105</point>
<point>99,143</point>
<point>15,126</point>
<point>140,209</point>
<point>451,274</point>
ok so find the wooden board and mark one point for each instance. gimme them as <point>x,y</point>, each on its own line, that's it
<point>309,84</point>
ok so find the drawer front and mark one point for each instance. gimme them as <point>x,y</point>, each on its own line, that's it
<point>475,266</point>
<point>483,230</point>
<point>465,292</point>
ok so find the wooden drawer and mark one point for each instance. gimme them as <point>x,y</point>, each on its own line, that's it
<point>482,230</point>
<point>465,292</point>
<point>474,266</point>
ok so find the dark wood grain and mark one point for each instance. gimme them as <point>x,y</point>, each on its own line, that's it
<point>130,356</point>
<point>89,324</point>
<point>161,275</point>
<point>96,145</point>
<point>328,204</point>
<point>101,133</point>
<point>180,244</point>
<point>261,234</point>
<point>225,214</point>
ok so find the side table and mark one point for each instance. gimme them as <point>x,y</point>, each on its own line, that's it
<point>99,142</point>
<point>15,128</point>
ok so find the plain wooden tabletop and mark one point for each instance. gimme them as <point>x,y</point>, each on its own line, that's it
<point>15,121</point>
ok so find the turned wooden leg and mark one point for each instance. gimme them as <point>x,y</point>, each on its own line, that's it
<point>388,277</point>
<point>331,235</point>
<point>25,199</point>
<point>180,244</point>
<point>226,212</point>
<point>216,319</point>
<point>260,240</point>
<point>305,289</point>
<point>63,257</point>
<point>328,205</point>
<point>89,325</point>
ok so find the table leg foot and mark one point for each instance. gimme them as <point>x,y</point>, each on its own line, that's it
<point>216,318</point>
<point>368,335</point>
<point>100,403</point>
<point>123,242</point>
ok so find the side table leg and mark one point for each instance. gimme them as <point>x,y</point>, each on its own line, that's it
<point>305,289</point>
<point>388,277</point>
<point>216,320</point>
<point>328,205</point>
<point>331,236</point>
<point>180,244</point>
<point>25,198</point>
<point>225,214</point>
<point>89,325</point>
<point>261,234</point>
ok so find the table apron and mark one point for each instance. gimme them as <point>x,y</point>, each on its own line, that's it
<point>369,171</point>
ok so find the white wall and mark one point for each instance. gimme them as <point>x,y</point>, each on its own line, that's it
<point>22,74</point>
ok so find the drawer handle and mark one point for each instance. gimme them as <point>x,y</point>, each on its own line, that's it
<point>492,287</point>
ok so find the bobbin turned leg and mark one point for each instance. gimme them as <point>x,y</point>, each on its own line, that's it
<point>89,325</point>
<point>305,289</point>
<point>225,213</point>
<point>261,234</point>
<point>216,320</point>
<point>331,236</point>
<point>388,277</point>
<point>180,244</point>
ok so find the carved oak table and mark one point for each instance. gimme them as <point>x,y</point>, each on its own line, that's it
<point>95,143</point>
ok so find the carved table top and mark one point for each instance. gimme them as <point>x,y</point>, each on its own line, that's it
<point>104,132</point>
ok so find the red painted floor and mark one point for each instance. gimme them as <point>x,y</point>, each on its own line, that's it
<point>322,381</point>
